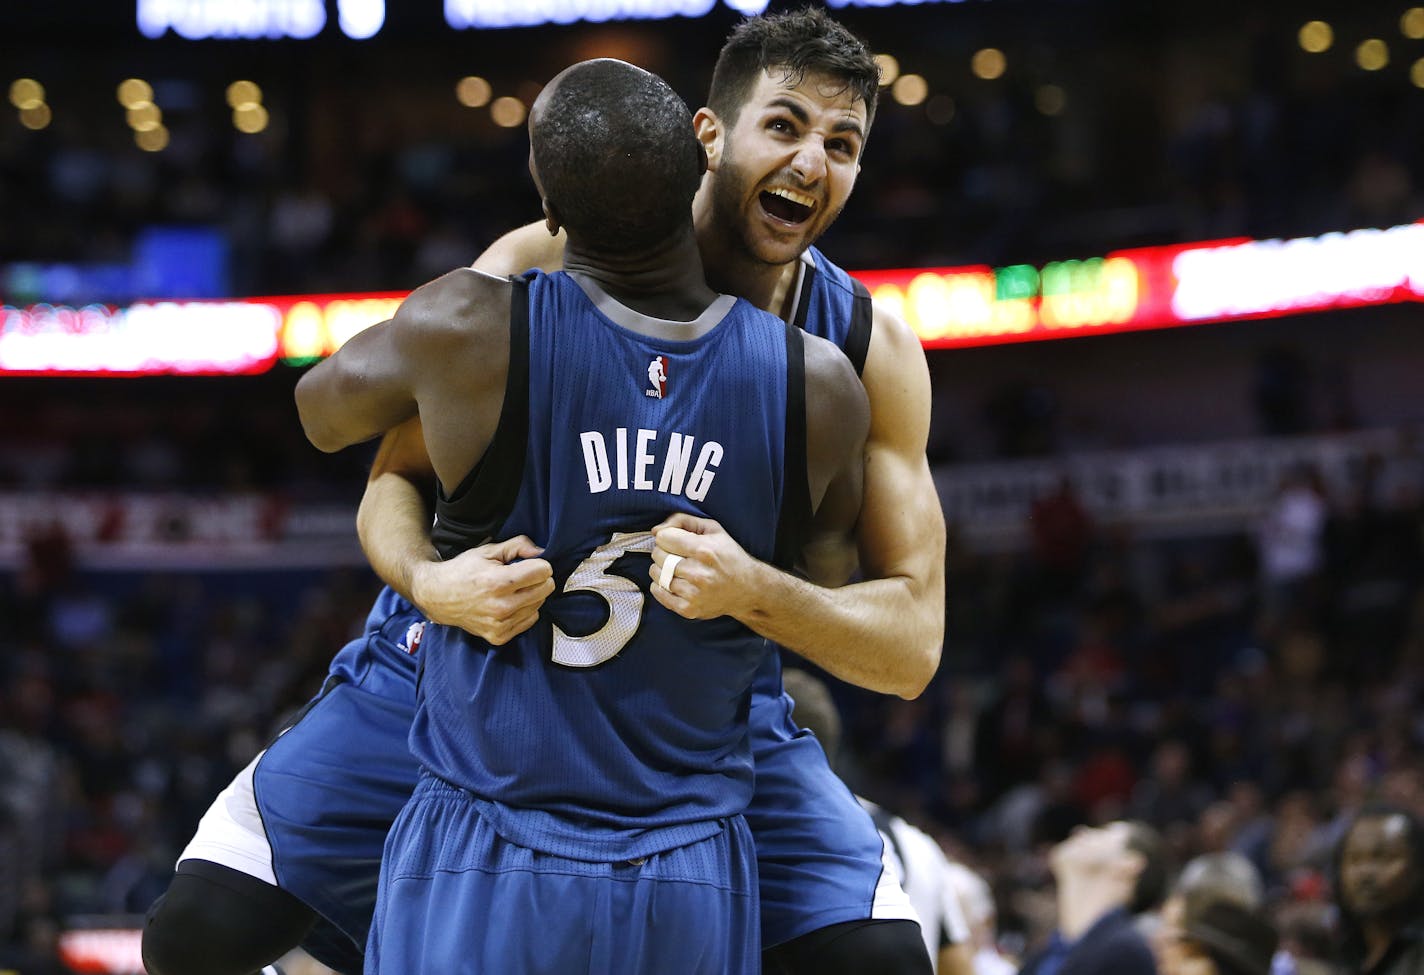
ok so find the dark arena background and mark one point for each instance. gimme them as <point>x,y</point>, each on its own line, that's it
<point>1166,260</point>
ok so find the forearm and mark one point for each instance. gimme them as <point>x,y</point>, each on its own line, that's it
<point>394,527</point>
<point>881,634</point>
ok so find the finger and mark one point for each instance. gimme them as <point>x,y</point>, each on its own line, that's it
<point>518,547</point>
<point>679,585</point>
<point>511,629</point>
<point>675,541</point>
<point>687,522</point>
<point>673,602</point>
<point>520,575</point>
<point>527,548</point>
<point>531,595</point>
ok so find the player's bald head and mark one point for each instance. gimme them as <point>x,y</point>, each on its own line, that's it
<point>614,153</point>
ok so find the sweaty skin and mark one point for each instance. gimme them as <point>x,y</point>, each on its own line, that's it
<point>885,632</point>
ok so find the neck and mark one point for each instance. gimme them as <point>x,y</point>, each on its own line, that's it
<point>732,270</point>
<point>1081,902</point>
<point>665,281</point>
<point>1378,934</point>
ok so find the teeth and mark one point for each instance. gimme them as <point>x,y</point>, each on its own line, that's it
<point>794,197</point>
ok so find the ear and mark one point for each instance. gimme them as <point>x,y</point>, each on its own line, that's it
<point>710,134</point>
<point>701,159</point>
<point>551,218</point>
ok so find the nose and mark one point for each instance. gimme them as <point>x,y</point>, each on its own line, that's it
<point>809,163</point>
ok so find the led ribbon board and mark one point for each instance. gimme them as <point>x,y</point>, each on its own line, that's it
<point>196,20</point>
<point>955,307</point>
<point>465,14</point>
<point>1155,287</point>
<point>188,338</point>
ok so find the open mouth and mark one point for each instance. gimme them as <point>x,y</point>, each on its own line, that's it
<point>788,206</point>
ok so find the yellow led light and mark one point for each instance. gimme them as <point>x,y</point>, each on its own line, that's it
<point>1411,23</point>
<point>35,116</point>
<point>152,140</point>
<point>989,63</point>
<point>250,118</point>
<point>241,93</point>
<point>1316,36</point>
<point>910,89</point>
<point>26,93</point>
<point>889,67</point>
<point>133,92</point>
<point>473,92</point>
<point>507,111</point>
<point>144,116</point>
<point>1372,55</point>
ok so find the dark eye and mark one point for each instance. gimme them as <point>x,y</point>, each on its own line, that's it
<point>780,125</point>
<point>841,146</point>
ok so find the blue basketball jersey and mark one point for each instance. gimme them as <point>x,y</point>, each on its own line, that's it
<point>388,650</point>
<point>613,727</point>
<point>832,304</point>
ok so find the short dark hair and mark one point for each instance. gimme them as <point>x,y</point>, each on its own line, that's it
<point>799,42</point>
<point>814,708</point>
<point>1240,940</point>
<point>1151,886</point>
<point>617,156</point>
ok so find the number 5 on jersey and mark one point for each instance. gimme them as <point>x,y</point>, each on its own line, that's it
<point>623,596</point>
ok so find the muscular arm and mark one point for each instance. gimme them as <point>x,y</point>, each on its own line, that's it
<point>393,521</point>
<point>883,633</point>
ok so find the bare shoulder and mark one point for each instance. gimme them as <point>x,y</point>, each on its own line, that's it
<point>897,380</point>
<point>530,246</point>
<point>459,305</point>
<point>834,393</point>
<point>893,343</point>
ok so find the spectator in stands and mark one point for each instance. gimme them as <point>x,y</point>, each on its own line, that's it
<point>1379,891</point>
<point>1105,876</point>
<point>1290,543</point>
<point>1218,937</point>
<point>1215,916</point>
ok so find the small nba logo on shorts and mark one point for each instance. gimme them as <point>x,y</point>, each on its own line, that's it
<point>412,637</point>
<point>657,378</point>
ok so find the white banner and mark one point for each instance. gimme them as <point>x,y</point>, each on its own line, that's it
<point>1158,491</point>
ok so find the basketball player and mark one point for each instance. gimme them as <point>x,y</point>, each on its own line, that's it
<point>309,871</point>
<point>580,800</point>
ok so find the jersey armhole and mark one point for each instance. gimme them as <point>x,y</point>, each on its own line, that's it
<point>794,520</point>
<point>858,338</point>
<point>475,509</point>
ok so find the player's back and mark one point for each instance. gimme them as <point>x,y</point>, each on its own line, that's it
<point>613,725</point>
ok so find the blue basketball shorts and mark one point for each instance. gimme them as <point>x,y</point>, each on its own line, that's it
<point>458,898</point>
<point>820,859</point>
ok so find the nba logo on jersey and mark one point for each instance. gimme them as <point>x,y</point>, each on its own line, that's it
<point>412,637</point>
<point>657,378</point>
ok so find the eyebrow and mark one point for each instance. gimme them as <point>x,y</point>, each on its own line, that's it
<point>796,109</point>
